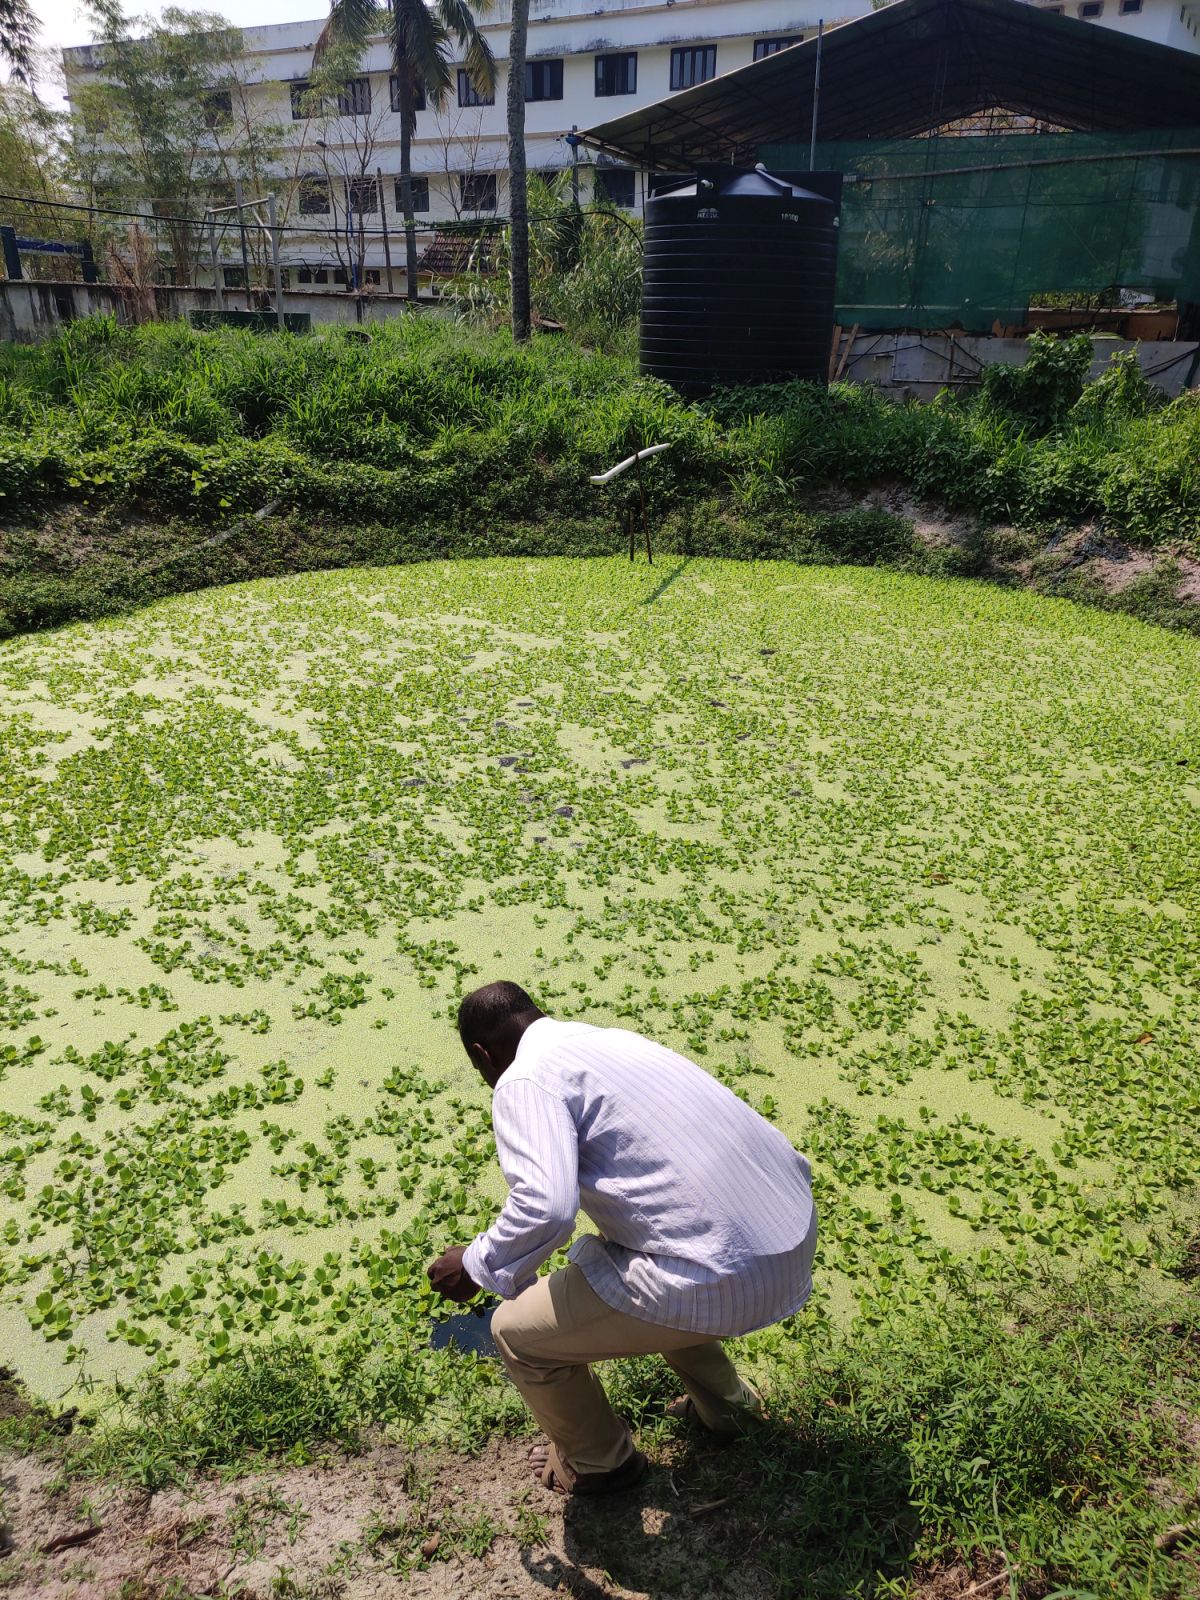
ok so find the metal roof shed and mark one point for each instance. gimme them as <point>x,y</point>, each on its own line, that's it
<point>910,67</point>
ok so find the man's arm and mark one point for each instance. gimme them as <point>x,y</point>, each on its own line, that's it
<point>538,1147</point>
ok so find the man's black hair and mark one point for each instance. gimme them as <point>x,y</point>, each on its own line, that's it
<point>484,1012</point>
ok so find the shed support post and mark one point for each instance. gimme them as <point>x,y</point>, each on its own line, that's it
<point>812,143</point>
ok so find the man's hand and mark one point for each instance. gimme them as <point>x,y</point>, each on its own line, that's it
<point>448,1277</point>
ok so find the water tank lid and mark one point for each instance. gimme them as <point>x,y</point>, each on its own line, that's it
<point>718,181</point>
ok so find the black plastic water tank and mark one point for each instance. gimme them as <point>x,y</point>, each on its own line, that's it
<point>739,276</point>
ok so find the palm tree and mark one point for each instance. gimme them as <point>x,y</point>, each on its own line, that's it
<point>518,196</point>
<point>18,35</point>
<point>421,36</point>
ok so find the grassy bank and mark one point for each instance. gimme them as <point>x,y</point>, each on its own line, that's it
<point>1035,1443</point>
<point>123,451</point>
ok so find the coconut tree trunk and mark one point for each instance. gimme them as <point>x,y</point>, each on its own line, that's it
<point>408,121</point>
<point>518,200</point>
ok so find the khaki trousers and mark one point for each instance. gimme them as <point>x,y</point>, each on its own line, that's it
<point>550,1334</point>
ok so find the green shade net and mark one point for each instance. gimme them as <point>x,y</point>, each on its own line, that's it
<point>961,231</point>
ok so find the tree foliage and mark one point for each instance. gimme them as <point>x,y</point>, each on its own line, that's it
<point>18,38</point>
<point>166,126</point>
<point>31,165</point>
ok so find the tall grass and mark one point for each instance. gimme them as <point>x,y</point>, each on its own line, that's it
<point>433,420</point>
<point>1042,1437</point>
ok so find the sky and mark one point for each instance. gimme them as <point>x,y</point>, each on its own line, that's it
<point>65,22</point>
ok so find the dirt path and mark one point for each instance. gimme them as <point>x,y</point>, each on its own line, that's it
<point>375,1525</point>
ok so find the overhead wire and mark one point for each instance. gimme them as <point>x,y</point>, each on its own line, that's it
<point>447,225</point>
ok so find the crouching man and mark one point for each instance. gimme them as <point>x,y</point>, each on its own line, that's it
<point>705,1216</point>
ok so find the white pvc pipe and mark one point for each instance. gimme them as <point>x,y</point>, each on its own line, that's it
<point>622,466</point>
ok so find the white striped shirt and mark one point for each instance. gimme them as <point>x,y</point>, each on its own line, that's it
<point>705,1210</point>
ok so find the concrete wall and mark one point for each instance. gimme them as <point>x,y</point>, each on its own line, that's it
<point>1161,21</point>
<point>31,309</point>
<point>919,365</point>
<point>903,364</point>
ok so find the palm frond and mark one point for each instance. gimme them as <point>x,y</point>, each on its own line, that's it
<point>349,22</point>
<point>420,41</point>
<point>458,17</point>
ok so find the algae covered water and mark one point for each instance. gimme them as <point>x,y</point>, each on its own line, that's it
<point>911,865</point>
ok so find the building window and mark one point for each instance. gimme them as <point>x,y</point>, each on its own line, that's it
<point>1129,7</point>
<point>355,98</point>
<point>616,74</point>
<point>371,275</point>
<point>1091,9</point>
<point>314,197</point>
<point>233,277</point>
<point>616,186</point>
<point>543,80</point>
<point>698,63</point>
<point>217,106</point>
<point>420,195</point>
<point>468,94</point>
<point>362,194</point>
<point>771,47</point>
<point>418,92</point>
<point>298,92</point>
<point>312,275</point>
<point>478,191</point>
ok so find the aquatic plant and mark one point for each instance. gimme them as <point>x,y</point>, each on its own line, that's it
<point>908,865</point>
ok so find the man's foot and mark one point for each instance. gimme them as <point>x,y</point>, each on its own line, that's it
<point>553,1471</point>
<point>685,1410</point>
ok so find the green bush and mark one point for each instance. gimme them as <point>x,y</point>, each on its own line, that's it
<point>1040,392</point>
<point>1120,392</point>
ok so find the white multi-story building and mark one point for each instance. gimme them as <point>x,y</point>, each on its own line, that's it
<point>587,63</point>
<point>1160,21</point>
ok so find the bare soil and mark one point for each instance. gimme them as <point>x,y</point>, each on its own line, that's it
<point>385,1524</point>
<point>1086,550</point>
<point>374,1525</point>
<point>937,528</point>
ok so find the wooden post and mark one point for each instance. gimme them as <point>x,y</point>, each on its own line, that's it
<point>642,498</point>
<point>841,366</point>
<point>833,348</point>
<point>237,195</point>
